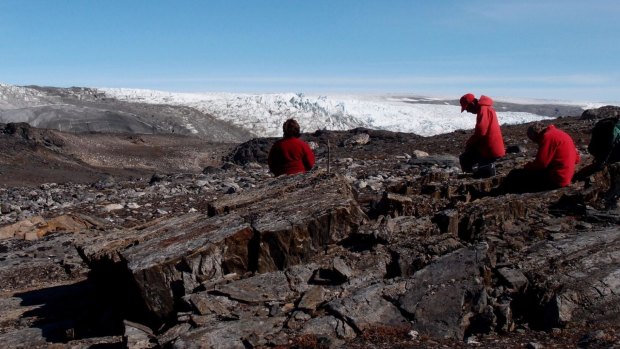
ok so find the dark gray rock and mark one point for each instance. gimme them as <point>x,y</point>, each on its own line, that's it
<point>309,244</point>
<point>260,289</point>
<point>24,338</point>
<point>341,268</point>
<point>367,308</point>
<point>33,259</point>
<point>138,336</point>
<point>580,273</point>
<point>206,303</point>
<point>328,326</point>
<point>300,275</point>
<point>439,297</point>
<point>446,161</point>
<point>231,334</point>
<point>514,278</point>
<point>601,113</point>
<point>167,338</point>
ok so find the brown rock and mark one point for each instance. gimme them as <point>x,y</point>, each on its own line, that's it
<point>312,298</point>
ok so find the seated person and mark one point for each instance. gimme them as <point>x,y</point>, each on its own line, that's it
<point>604,146</point>
<point>553,167</point>
<point>486,145</point>
<point>290,154</point>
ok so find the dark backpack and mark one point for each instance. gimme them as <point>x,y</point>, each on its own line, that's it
<point>605,141</point>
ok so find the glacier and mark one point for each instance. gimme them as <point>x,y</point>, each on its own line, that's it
<point>263,114</point>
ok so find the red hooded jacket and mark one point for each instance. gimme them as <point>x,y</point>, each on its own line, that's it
<point>487,137</point>
<point>556,154</point>
<point>290,155</point>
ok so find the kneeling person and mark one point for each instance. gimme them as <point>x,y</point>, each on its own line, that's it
<point>290,154</point>
<point>553,167</point>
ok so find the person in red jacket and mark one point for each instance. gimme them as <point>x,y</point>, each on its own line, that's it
<point>290,154</point>
<point>554,165</point>
<point>486,145</point>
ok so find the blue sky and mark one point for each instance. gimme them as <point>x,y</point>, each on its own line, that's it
<point>528,48</point>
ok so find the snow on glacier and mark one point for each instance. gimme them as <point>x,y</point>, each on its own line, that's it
<point>15,97</point>
<point>263,114</point>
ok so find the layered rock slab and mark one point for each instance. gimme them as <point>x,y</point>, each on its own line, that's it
<point>274,188</point>
<point>175,262</point>
<point>251,333</point>
<point>294,227</point>
<point>578,276</point>
<point>172,257</point>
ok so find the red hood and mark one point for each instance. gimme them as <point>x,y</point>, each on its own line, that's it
<point>486,101</point>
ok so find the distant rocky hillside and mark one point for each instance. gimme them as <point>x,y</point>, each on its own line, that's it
<point>31,156</point>
<point>81,110</point>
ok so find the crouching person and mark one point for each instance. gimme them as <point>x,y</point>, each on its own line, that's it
<point>486,145</point>
<point>553,167</point>
<point>290,155</point>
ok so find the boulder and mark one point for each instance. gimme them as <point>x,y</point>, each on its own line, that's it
<point>260,289</point>
<point>601,113</point>
<point>38,226</point>
<point>439,298</point>
<point>577,278</point>
<point>367,308</point>
<point>250,332</point>
<point>176,261</point>
<point>445,161</point>
<point>172,257</point>
<point>358,139</point>
<point>328,326</point>
<point>312,299</point>
<point>304,222</point>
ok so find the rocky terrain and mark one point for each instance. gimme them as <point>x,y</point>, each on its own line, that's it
<point>82,109</point>
<point>148,241</point>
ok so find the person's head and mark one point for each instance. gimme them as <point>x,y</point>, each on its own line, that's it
<point>470,103</point>
<point>291,128</point>
<point>534,131</point>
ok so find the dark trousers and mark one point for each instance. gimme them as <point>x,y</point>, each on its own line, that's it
<point>526,181</point>
<point>472,157</point>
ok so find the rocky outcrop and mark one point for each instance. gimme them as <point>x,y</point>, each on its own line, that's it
<point>601,113</point>
<point>171,258</point>
<point>576,276</point>
<point>382,252</point>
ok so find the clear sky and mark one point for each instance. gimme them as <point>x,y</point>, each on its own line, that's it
<point>559,49</point>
